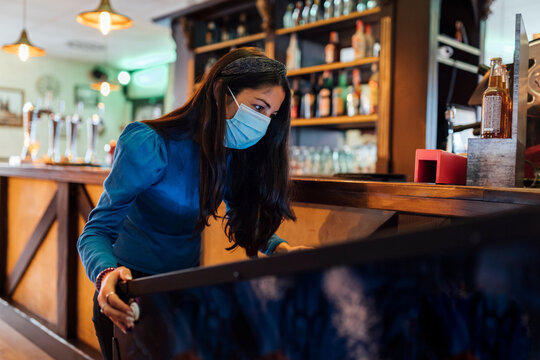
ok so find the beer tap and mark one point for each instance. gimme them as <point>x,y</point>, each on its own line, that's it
<point>31,115</point>
<point>72,133</point>
<point>93,124</point>
<point>56,121</point>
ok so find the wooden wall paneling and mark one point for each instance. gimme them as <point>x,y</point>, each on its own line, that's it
<point>85,304</point>
<point>3,233</point>
<point>316,225</point>
<point>409,85</point>
<point>28,201</point>
<point>84,203</point>
<point>94,193</point>
<point>35,241</point>
<point>67,259</point>
<point>385,73</point>
<point>88,195</point>
<point>37,290</point>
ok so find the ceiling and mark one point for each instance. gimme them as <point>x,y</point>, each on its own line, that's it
<point>51,25</point>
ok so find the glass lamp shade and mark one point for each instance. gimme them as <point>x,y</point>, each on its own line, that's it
<point>104,18</point>
<point>23,48</point>
<point>104,87</point>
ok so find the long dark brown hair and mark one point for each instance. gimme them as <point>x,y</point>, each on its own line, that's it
<point>256,183</point>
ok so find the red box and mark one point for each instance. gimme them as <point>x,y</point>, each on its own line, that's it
<point>440,167</point>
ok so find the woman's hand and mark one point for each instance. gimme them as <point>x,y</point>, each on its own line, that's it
<point>285,248</point>
<point>110,303</point>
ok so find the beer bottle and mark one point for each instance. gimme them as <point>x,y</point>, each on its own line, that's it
<point>495,104</point>
<point>508,112</point>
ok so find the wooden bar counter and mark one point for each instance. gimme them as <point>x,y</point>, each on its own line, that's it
<point>46,295</point>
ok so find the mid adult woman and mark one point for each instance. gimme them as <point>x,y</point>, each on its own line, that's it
<point>228,142</point>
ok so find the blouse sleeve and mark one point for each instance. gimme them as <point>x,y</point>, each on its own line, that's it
<point>140,160</point>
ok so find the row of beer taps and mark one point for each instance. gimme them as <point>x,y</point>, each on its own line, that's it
<point>32,115</point>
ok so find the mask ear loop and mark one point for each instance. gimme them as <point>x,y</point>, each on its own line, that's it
<point>233,97</point>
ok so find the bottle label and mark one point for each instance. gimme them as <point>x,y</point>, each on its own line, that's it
<point>492,112</point>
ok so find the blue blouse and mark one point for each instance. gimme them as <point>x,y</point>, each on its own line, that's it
<point>147,212</point>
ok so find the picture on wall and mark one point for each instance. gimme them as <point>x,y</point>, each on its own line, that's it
<point>147,109</point>
<point>11,103</point>
<point>86,95</point>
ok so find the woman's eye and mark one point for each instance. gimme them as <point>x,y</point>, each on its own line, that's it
<point>259,107</point>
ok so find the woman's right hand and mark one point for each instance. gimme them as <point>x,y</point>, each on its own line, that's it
<point>110,303</point>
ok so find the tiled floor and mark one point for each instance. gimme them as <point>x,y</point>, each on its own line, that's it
<point>14,346</point>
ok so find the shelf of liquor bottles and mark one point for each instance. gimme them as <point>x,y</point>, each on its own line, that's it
<point>229,43</point>
<point>357,121</point>
<point>335,52</point>
<point>370,14</point>
<point>332,66</point>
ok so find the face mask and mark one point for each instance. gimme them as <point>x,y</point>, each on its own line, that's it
<point>245,128</point>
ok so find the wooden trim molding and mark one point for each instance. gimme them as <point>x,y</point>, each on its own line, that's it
<point>36,239</point>
<point>68,218</point>
<point>3,233</point>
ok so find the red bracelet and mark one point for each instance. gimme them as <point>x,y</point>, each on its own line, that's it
<point>101,276</point>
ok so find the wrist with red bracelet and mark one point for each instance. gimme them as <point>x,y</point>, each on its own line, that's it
<point>101,276</point>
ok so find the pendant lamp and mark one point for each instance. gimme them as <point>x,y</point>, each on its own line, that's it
<point>104,18</point>
<point>104,87</point>
<point>23,47</point>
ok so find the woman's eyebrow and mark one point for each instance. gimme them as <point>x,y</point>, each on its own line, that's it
<point>267,105</point>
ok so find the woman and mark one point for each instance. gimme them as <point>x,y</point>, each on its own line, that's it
<point>228,142</point>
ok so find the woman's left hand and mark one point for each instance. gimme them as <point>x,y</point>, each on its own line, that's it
<point>285,248</point>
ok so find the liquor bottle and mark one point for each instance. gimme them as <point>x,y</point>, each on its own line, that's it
<point>328,9</point>
<point>318,87</point>
<point>359,41</point>
<point>314,12</point>
<point>287,18</point>
<point>369,41</point>
<point>374,89</point>
<point>339,95</point>
<point>361,5</point>
<point>338,8</point>
<point>332,49</point>
<point>308,100</point>
<point>297,14</point>
<point>211,61</point>
<point>295,99</point>
<point>370,4</point>
<point>494,104</point>
<point>325,95</point>
<point>304,19</point>
<point>509,106</point>
<point>210,33</point>
<point>353,94</point>
<point>348,6</point>
<point>241,29</point>
<point>294,56</point>
<point>224,30</point>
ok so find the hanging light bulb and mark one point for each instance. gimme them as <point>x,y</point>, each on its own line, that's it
<point>23,48</point>
<point>104,22</point>
<point>105,88</point>
<point>23,52</point>
<point>104,18</point>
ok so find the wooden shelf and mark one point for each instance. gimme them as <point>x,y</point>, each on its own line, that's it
<point>229,43</point>
<point>338,120</point>
<point>333,66</point>
<point>335,20</point>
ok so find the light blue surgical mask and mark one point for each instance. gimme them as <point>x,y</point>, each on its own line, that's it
<point>245,128</point>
